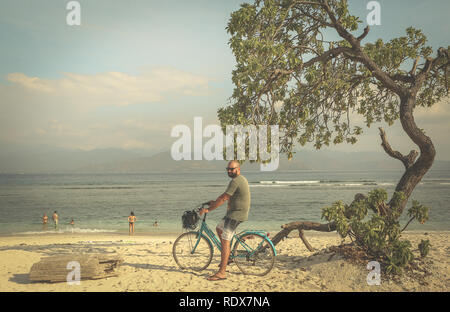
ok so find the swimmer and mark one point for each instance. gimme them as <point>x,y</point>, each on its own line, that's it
<point>131,220</point>
<point>44,222</point>
<point>72,224</point>
<point>55,219</point>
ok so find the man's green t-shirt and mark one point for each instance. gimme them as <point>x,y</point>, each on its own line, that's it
<point>239,191</point>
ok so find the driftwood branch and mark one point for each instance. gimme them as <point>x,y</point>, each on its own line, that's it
<point>301,226</point>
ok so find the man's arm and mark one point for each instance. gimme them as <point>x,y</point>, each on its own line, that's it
<point>216,203</point>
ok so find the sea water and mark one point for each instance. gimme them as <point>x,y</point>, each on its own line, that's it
<point>102,202</point>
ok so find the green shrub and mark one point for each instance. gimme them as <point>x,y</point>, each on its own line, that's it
<point>373,225</point>
<point>424,247</point>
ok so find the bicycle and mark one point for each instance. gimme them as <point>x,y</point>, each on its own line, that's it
<point>253,252</point>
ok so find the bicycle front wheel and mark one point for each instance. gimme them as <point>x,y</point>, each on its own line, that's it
<point>192,252</point>
<point>253,254</point>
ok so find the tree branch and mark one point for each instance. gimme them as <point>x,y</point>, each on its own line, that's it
<point>361,56</point>
<point>301,234</point>
<point>300,226</point>
<point>309,2</point>
<point>413,69</point>
<point>326,56</point>
<point>402,78</point>
<point>407,224</point>
<point>315,18</point>
<point>364,34</point>
<point>429,64</point>
<point>407,161</point>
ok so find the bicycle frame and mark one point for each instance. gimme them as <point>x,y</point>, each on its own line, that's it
<point>258,232</point>
<point>212,237</point>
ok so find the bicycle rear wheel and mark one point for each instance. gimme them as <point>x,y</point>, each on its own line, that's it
<point>192,252</point>
<point>253,254</point>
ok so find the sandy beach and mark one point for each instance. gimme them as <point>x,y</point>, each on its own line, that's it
<point>148,266</point>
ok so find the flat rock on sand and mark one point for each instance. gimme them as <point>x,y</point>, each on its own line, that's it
<point>68,267</point>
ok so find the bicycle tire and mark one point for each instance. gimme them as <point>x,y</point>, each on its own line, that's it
<point>182,251</point>
<point>253,254</point>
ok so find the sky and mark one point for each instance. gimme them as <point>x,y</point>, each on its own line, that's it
<point>135,69</point>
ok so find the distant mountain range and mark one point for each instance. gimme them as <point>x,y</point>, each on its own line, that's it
<point>305,160</point>
<point>133,161</point>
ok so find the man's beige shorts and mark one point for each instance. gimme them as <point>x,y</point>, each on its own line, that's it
<point>228,227</point>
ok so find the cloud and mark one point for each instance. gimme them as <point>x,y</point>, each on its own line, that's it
<point>439,111</point>
<point>115,88</point>
<point>87,111</point>
<point>32,83</point>
<point>128,134</point>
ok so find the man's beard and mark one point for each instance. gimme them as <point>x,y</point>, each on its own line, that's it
<point>232,174</point>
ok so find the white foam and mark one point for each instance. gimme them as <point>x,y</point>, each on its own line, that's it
<point>266,185</point>
<point>289,182</point>
<point>68,230</point>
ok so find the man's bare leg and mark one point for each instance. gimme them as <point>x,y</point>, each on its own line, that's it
<point>224,255</point>
<point>219,233</point>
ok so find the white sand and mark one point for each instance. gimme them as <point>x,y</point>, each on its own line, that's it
<point>149,266</point>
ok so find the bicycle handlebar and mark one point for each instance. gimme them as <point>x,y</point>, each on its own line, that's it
<point>203,205</point>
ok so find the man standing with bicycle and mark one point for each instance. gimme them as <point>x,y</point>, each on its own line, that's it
<point>238,196</point>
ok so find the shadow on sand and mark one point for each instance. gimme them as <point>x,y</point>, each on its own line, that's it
<point>20,279</point>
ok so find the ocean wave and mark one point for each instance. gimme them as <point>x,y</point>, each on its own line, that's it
<point>267,185</point>
<point>98,188</point>
<point>328,183</point>
<point>68,230</point>
<point>435,180</point>
<point>289,182</point>
<point>347,181</point>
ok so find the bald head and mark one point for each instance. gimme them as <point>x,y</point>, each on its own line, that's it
<point>234,169</point>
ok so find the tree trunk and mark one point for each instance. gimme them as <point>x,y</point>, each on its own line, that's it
<point>415,172</point>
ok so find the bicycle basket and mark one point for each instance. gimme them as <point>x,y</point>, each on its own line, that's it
<point>190,220</point>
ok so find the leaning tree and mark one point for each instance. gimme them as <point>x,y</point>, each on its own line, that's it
<point>303,65</point>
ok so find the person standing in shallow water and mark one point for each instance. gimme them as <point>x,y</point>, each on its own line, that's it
<point>55,220</point>
<point>44,222</point>
<point>131,220</point>
<point>72,224</point>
